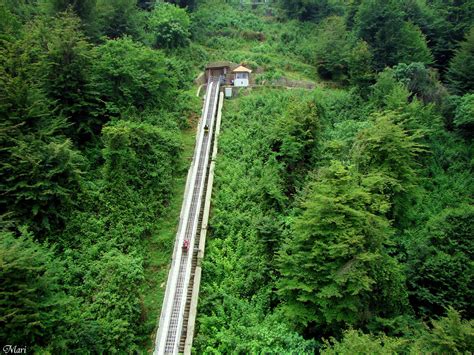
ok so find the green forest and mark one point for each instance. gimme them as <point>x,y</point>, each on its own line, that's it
<point>342,214</point>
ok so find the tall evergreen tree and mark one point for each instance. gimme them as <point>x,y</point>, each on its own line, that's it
<point>451,22</point>
<point>461,69</point>
<point>335,270</point>
<point>447,335</point>
<point>83,8</point>
<point>33,307</point>
<point>387,148</point>
<point>393,40</point>
<point>116,18</point>
<point>40,170</point>
<point>64,66</point>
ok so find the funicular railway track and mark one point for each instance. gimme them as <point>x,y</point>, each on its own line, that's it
<point>172,331</point>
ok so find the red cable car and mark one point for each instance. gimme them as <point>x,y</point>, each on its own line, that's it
<point>186,245</point>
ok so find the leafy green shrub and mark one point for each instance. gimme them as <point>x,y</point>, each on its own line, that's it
<point>290,40</point>
<point>464,117</point>
<point>269,76</point>
<point>310,10</point>
<point>168,26</point>
<point>116,18</point>
<point>114,299</point>
<point>440,263</point>
<point>356,342</point>
<point>448,335</point>
<point>420,81</point>
<point>140,160</point>
<point>218,18</point>
<point>129,74</point>
<point>247,331</point>
<point>253,36</point>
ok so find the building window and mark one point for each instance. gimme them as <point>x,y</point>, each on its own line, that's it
<point>241,76</point>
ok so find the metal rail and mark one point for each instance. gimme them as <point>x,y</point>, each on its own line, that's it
<point>173,318</point>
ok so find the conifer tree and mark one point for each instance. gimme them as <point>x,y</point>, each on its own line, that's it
<point>461,68</point>
<point>40,169</point>
<point>389,149</point>
<point>392,40</point>
<point>334,268</point>
<point>32,300</point>
<point>63,66</point>
<point>83,8</point>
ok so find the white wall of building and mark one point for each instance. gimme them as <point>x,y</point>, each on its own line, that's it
<point>241,82</point>
<point>241,79</point>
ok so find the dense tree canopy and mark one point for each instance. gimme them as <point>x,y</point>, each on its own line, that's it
<point>315,10</point>
<point>450,334</point>
<point>460,73</point>
<point>90,148</point>
<point>334,268</point>
<point>393,40</point>
<point>82,8</point>
<point>33,301</point>
<point>116,18</point>
<point>341,217</point>
<point>464,117</point>
<point>441,269</point>
<point>40,168</point>
<point>129,74</point>
<point>169,26</point>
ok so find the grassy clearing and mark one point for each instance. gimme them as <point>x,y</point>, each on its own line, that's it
<point>272,48</point>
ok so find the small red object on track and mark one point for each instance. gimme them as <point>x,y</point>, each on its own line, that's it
<point>186,245</point>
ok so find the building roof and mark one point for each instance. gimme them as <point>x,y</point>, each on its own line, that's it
<point>222,64</point>
<point>242,69</point>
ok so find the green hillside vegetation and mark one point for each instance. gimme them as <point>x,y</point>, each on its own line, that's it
<point>341,216</point>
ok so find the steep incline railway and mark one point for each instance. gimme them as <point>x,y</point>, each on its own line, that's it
<point>172,331</point>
